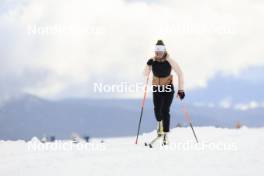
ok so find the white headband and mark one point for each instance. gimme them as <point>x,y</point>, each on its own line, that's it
<point>160,48</point>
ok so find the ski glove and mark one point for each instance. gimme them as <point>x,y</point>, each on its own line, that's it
<point>181,94</point>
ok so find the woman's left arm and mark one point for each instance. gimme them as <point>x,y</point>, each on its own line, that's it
<point>175,66</point>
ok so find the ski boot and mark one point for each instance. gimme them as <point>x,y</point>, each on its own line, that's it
<point>160,131</point>
<point>165,139</point>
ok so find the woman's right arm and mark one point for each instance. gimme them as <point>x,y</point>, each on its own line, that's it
<point>148,68</point>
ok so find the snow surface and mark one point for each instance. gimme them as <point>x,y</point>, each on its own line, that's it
<point>220,152</point>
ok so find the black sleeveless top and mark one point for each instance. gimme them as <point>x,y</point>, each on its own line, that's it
<point>160,68</point>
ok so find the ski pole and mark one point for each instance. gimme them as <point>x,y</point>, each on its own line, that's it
<point>142,108</point>
<point>188,119</point>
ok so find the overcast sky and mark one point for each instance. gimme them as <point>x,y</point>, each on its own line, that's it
<point>58,49</point>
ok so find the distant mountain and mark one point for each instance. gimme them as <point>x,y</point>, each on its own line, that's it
<point>27,116</point>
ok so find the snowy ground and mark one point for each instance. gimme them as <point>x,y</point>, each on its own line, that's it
<point>220,152</point>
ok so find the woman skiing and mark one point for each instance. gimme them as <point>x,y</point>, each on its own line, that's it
<point>162,86</point>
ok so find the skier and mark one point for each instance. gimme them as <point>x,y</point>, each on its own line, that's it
<point>162,86</point>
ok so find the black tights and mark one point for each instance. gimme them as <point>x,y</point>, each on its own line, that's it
<point>162,102</point>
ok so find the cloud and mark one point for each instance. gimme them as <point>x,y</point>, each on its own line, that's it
<point>79,42</point>
<point>248,106</point>
<point>225,103</point>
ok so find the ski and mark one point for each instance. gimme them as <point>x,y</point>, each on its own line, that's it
<point>150,144</point>
<point>164,141</point>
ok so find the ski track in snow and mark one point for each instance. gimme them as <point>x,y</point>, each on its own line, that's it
<point>120,156</point>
